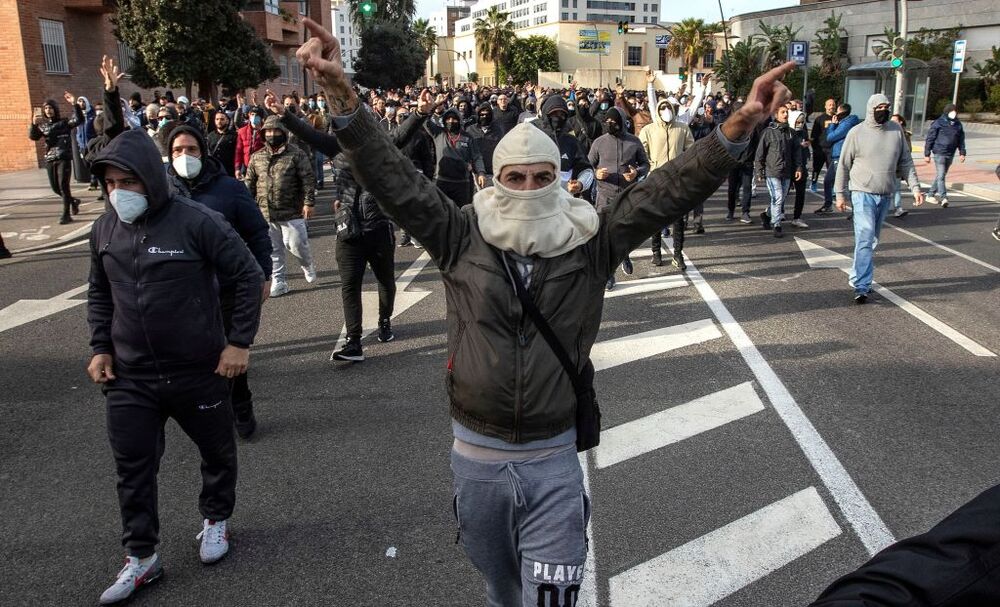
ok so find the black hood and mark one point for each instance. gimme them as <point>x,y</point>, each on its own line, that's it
<point>55,107</point>
<point>451,112</point>
<point>616,115</point>
<point>210,165</point>
<point>134,151</point>
<point>554,102</point>
<point>485,107</point>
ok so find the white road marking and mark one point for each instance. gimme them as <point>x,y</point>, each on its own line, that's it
<point>614,352</point>
<point>715,565</point>
<point>944,248</point>
<point>588,587</point>
<point>676,424</point>
<point>403,302</point>
<point>49,249</point>
<point>647,285</point>
<point>28,310</point>
<point>820,257</point>
<point>871,530</point>
<point>76,232</point>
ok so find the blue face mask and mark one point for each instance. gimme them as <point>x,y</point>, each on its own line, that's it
<point>163,122</point>
<point>128,204</point>
<point>255,121</point>
<point>312,103</point>
<point>604,105</point>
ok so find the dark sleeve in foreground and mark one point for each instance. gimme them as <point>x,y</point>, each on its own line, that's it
<point>100,307</point>
<point>406,196</point>
<point>327,144</point>
<point>233,262</point>
<point>114,120</point>
<point>955,564</point>
<point>252,227</point>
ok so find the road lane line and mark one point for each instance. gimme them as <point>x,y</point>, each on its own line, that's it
<point>24,311</point>
<point>868,525</point>
<point>588,587</point>
<point>944,248</point>
<point>647,285</point>
<point>615,352</point>
<point>717,564</point>
<point>675,424</point>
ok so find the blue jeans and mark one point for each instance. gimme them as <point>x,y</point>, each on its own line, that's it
<point>828,181</point>
<point>869,214</point>
<point>778,188</point>
<point>897,196</point>
<point>319,158</point>
<point>942,164</point>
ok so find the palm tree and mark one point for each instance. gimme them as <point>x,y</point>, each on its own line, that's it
<point>774,42</point>
<point>691,39</point>
<point>385,10</point>
<point>494,36</point>
<point>827,44</point>
<point>427,39</point>
<point>739,66</point>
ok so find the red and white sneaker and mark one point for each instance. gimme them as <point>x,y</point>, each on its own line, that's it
<point>133,576</point>
<point>214,541</point>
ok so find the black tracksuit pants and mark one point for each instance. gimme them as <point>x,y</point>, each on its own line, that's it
<point>59,173</point>
<point>374,248</point>
<point>819,159</point>
<point>239,387</point>
<point>800,194</point>
<point>676,232</point>
<point>137,413</point>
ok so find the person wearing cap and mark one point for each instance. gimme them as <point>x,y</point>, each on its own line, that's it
<point>55,131</point>
<point>873,156</point>
<point>190,114</point>
<point>519,499</point>
<point>280,177</point>
<point>160,349</point>
<point>197,174</point>
<point>249,139</point>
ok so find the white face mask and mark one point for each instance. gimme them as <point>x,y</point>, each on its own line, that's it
<point>701,111</point>
<point>128,204</point>
<point>952,115</point>
<point>667,115</point>
<point>187,166</point>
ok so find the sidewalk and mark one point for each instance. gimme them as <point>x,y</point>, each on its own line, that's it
<point>30,212</point>
<point>976,175</point>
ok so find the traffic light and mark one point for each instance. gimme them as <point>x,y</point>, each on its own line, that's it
<point>367,9</point>
<point>623,27</point>
<point>898,52</point>
<point>682,73</point>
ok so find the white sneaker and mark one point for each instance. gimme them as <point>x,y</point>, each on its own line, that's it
<point>133,576</point>
<point>931,199</point>
<point>310,273</point>
<point>800,224</point>
<point>944,203</point>
<point>279,288</point>
<point>214,541</point>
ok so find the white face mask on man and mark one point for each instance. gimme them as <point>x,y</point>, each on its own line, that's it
<point>128,204</point>
<point>187,166</point>
<point>667,115</point>
<point>952,115</point>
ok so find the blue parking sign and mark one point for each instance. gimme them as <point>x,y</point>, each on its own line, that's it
<point>798,51</point>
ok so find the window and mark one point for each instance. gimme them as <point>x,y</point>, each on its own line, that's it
<point>611,6</point>
<point>342,41</point>
<point>574,14</point>
<point>341,29</point>
<point>296,73</point>
<point>126,57</point>
<point>663,60</point>
<point>843,46</point>
<point>271,6</point>
<point>54,46</point>
<point>304,7</point>
<point>283,66</point>
<point>645,19</point>
<point>540,8</point>
<point>541,20</point>
<point>654,9</point>
<point>565,16</point>
<point>635,55</point>
<point>565,3</point>
<point>645,8</point>
<point>708,60</point>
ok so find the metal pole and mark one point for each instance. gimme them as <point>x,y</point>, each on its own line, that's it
<point>725,32</point>
<point>621,69</point>
<point>954,97</point>
<point>805,85</point>
<point>897,99</point>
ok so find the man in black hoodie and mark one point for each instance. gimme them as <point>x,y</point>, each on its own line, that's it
<point>159,346</point>
<point>200,176</point>
<point>458,158</point>
<point>576,173</point>
<point>486,131</point>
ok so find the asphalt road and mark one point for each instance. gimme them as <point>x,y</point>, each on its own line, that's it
<point>763,433</point>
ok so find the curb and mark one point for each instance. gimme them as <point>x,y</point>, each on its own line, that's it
<point>989,194</point>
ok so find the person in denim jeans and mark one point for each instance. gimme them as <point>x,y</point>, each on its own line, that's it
<point>840,125</point>
<point>945,135</point>
<point>897,198</point>
<point>872,157</point>
<point>779,159</point>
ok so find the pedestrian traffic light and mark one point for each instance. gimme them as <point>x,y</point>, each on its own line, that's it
<point>623,27</point>
<point>367,9</point>
<point>682,74</point>
<point>898,52</point>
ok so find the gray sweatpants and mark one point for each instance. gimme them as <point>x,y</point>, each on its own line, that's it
<point>524,527</point>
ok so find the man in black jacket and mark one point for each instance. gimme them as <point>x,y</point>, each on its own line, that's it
<point>576,173</point>
<point>47,124</point>
<point>221,143</point>
<point>159,346</point>
<point>198,175</point>
<point>486,131</point>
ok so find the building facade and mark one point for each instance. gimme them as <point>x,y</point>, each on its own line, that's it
<point>350,38</point>
<point>52,46</point>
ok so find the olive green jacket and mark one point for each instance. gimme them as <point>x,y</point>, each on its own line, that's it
<point>281,182</point>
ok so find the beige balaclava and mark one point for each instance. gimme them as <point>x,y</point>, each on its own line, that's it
<point>546,222</point>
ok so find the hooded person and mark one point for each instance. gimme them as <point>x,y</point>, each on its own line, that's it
<point>82,135</point>
<point>196,174</point>
<point>779,159</point>
<point>664,139</point>
<point>280,177</point>
<point>458,157</point>
<point>575,172</point>
<point>249,138</point>
<point>57,133</point>
<point>530,113</point>
<point>873,156</point>
<point>800,143</point>
<point>154,313</point>
<point>486,131</point>
<point>944,137</point>
<point>619,161</point>
<point>584,125</point>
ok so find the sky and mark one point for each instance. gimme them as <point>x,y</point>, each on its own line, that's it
<point>671,10</point>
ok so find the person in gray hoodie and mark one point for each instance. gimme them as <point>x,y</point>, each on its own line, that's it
<point>874,155</point>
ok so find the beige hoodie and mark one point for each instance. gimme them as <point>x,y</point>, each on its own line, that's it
<point>663,141</point>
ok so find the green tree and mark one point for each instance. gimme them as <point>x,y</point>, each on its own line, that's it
<point>929,44</point>
<point>989,70</point>
<point>528,56</point>
<point>427,38</point>
<point>883,46</point>
<point>162,35</point>
<point>739,66</point>
<point>389,57</point>
<point>691,39</point>
<point>773,42</point>
<point>494,37</point>
<point>386,11</point>
<point>827,46</point>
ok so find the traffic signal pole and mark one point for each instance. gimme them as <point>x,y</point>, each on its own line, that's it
<point>897,98</point>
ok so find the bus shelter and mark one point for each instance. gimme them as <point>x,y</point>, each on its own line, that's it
<point>866,79</point>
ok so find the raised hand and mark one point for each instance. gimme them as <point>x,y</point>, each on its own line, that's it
<point>650,76</point>
<point>111,73</point>
<point>321,56</point>
<point>766,95</point>
<point>425,104</point>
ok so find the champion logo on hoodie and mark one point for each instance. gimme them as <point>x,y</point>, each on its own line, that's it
<point>159,251</point>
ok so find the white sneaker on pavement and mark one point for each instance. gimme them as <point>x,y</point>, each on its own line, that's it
<point>800,224</point>
<point>279,288</point>
<point>214,541</point>
<point>944,203</point>
<point>931,199</point>
<point>134,575</point>
<point>310,273</point>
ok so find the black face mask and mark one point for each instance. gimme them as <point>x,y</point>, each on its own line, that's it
<point>557,122</point>
<point>485,119</point>
<point>276,141</point>
<point>881,116</point>
<point>613,127</point>
<point>453,127</point>
<point>572,112</point>
<point>842,115</point>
